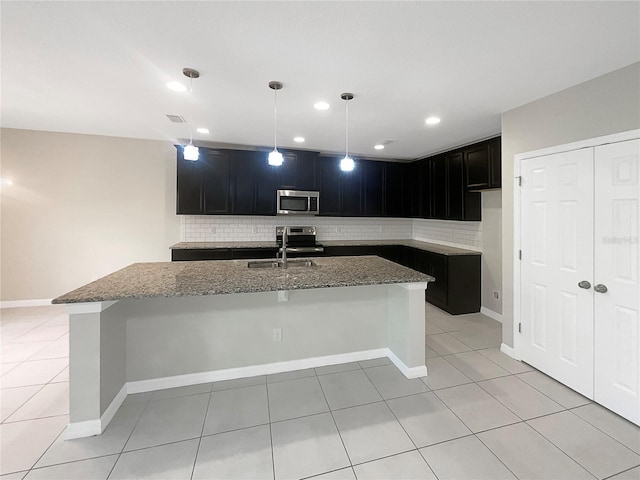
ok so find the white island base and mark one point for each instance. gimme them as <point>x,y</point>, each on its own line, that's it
<point>140,345</point>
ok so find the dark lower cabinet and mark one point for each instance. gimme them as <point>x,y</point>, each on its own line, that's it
<point>455,290</point>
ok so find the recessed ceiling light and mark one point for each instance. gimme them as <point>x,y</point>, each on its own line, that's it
<point>202,130</point>
<point>176,87</point>
<point>298,139</point>
<point>379,147</point>
<point>321,106</point>
<point>432,121</point>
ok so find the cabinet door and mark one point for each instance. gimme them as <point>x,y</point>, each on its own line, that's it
<point>352,193</point>
<point>215,182</point>
<point>189,193</point>
<point>477,167</point>
<point>394,201</point>
<point>438,184</point>
<point>329,177</point>
<point>306,179</point>
<point>297,172</point>
<point>414,180</point>
<point>266,186</point>
<point>455,194</point>
<point>495,162</point>
<point>373,188</point>
<point>243,173</point>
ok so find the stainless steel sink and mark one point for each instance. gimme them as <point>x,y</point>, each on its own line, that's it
<point>296,262</point>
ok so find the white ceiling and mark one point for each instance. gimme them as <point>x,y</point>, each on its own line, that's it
<point>101,67</point>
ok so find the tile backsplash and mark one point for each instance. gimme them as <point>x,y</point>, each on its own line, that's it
<point>213,228</point>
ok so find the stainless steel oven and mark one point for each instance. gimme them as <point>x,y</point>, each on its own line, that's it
<point>297,202</point>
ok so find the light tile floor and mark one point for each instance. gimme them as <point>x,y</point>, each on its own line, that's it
<point>478,415</point>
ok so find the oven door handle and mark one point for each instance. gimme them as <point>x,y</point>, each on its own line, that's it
<point>304,249</point>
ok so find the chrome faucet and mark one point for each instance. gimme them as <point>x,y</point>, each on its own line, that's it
<point>283,249</point>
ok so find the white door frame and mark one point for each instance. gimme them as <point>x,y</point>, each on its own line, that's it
<point>517,165</point>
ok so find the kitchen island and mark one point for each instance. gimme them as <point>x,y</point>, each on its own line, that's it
<point>151,326</point>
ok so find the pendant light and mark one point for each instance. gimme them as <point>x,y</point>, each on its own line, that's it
<point>275,157</point>
<point>191,152</point>
<point>347,164</point>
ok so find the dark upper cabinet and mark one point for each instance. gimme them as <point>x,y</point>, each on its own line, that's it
<point>189,193</point>
<point>297,172</point>
<point>438,187</point>
<point>373,188</point>
<point>266,186</point>
<point>414,179</point>
<point>216,176</point>
<point>455,187</point>
<point>395,195</point>
<point>329,182</point>
<point>483,165</point>
<point>352,192</point>
<point>243,189</point>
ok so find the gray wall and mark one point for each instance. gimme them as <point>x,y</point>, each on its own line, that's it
<point>82,206</point>
<point>604,105</point>
<point>492,249</point>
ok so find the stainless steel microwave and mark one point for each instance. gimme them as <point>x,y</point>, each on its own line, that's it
<point>297,202</point>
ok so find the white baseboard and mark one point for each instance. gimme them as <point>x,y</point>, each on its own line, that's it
<point>491,314</point>
<point>96,427</point>
<point>152,384</point>
<point>409,372</point>
<point>43,302</point>
<point>507,350</point>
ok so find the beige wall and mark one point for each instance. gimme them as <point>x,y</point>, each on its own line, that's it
<point>81,207</point>
<point>492,249</point>
<point>604,105</point>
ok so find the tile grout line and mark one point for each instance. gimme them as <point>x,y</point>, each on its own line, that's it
<point>273,459</point>
<point>335,424</point>
<point>402,426</point>
<point>204,421</point>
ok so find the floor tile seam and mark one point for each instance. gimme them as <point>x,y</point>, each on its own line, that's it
<point>204,421</point>
<point>135,425</point>
<point>495,455</point>
<point>562,384</point>
<point>451,386</point>
<point>290,379</point>
<point>489,360</point>
<point>151,399</point>
<point>391,456</point>
<point>52,339</point>
<point>273,459</point>
<point>342,371</point>
<point>324,473</point>
<point>22,404</point>
<point>164,444</point>
<point>35,418</point>
<point>57,464</point>
<point>562,450</point>
<point>471,432</point>
<point>401,425</point>
<point>623,471</point>
<point>48,358</point>
<point>335,424</point>
<point>237,388</point>
<point>14,342</point>
<point>605,433</point>
<point>29,331</point>
<point>562,408</point>
<point>512,373</point>
<point>47,449</point>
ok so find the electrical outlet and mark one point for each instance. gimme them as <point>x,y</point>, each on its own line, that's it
<point>277,334</point>
<point>496,295</point>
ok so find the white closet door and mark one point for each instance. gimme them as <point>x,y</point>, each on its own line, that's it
<point>617,331</point>
<point>557,253</point>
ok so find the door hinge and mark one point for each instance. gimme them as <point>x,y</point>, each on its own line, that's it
<point>519,327</point>
<point>519,254</point>
<point>519,181</point>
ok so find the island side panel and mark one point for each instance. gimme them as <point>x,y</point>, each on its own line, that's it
<point>84,367</point>
<point>406,312</point>
<point>178,336</point>
<point>113,358</point>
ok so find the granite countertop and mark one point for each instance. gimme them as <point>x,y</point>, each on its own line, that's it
<point>430,247</point>
<point>179,279</point>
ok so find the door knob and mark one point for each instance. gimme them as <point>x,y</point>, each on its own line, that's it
<point>584,284</point>
<point>600,288</point>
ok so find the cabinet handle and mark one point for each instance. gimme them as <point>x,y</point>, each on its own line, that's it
<point>600,288</point>
<point>584,284</point>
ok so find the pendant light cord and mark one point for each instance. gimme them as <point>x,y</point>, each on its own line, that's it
<point>347,130</point>
<point>191,126</point>
<point>275,118</point>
